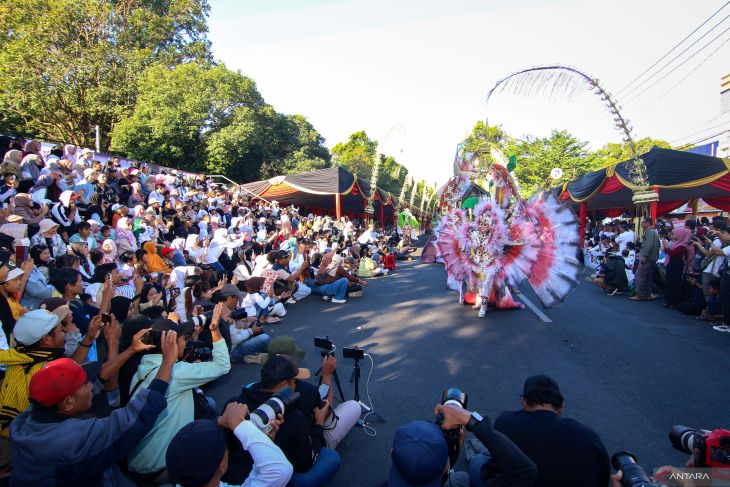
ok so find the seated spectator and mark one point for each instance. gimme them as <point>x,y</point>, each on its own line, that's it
<point>280,265</point>
<point>266,307</point>
<point>24,208</point>
<point>148,457</point>
<point>695,303</point>
<point>335,271</point>
<point>11,289</point>
<point>368,267</point>
<point>713,304</point>
<point>611,276</point>
<point>37,288</point>
<point>581,460</point>
<point>208,462</point>
<point>54,445</point>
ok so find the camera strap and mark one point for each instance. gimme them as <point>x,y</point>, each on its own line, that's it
<point>139,382</point>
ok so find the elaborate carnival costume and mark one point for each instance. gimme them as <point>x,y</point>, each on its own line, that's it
<point>408,224</point>
<point>507,240</point>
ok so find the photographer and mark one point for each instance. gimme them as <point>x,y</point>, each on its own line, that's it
<point>54,445</point>
<point>205,464</point>
<point>245,338</point>
<point>184,405</point>
<point>300,437</point>
<point>420,454</point>
<point>580,460</point>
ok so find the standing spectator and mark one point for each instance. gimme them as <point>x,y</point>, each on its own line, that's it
<point>679,254</point>
<point>648,255</point>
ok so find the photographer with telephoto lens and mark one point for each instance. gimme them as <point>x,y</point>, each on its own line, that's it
<point>302,442</point>
<point>184,405</point>
<point>421,452</point>
<point>209,461</point>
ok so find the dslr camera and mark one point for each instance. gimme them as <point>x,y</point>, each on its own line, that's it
<point>633,474</point>
<point>263,415</point>
<point>713,446</point>
<point>197,351</point>
<point>453,396</point>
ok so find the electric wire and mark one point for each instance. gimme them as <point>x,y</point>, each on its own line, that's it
<point>692,144</point>
<point>672,49</point>
<point>365,426</point>
<point>723,124</point>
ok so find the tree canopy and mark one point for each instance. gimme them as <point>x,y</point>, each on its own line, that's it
<point>613,153</point>
<point>66,66</point>
<point>212,119</point>
<point>357,155</point>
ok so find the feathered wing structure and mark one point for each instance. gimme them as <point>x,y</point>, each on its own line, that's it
<point>556,270</point>
<point>456,259</point>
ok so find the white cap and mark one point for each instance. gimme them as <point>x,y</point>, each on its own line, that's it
<point>88,172</point>
<point>33,325</point>
<point>13,274</point>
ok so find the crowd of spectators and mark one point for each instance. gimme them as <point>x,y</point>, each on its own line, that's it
<point>124,289</point>
<point>684,262</point>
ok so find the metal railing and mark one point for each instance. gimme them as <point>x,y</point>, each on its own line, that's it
<point>239,186</point>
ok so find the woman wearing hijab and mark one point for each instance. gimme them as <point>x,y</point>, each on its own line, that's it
<point>31,166</point>
<point>48,185</point>
<point>48,236</point>
<point>109,249</point>
<point>154,261</point>
<point>136,198</point>
<point>69,153</point>
<point>217,246</point>
<point>65,213</point>
<point>679,254</point>
<point>11,163</point>
<point>125,239</point>
<point>32,147</point>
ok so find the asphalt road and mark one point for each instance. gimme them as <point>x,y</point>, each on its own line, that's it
<point>630,370</point>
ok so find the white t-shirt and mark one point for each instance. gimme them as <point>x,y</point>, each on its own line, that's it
<point>624,238</point>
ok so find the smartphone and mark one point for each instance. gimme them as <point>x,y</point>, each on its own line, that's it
<point>109,277</point>
<point>21,254</point>
<point>106,318</point>
<point>324,390</point>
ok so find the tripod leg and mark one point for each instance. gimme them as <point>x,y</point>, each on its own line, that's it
<point>339,386</point>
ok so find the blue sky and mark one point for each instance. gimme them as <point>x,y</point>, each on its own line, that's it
<point>428,65</point>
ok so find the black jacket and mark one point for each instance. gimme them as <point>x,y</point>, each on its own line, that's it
<point>299,438</point>
<point>509,466</point>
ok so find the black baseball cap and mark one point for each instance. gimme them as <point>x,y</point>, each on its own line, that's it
<point>279,368</point>
<point>193,467</point>
<point>542,389</point>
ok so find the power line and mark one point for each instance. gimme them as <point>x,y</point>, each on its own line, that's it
<point>690,73</point>
<point>656,73</point>
<point>672,49</point>
<point>691,144</point>
<point>700,131</point>
<point>675,68</point>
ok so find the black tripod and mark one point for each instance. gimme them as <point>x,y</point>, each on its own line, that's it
<point>356,377</point>
<point>337,380</point>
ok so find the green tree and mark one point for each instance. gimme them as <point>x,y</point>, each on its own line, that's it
<point>68,65</point>
<point>483,139</point>
<point>212,119</point>
<point>357,155</point>
<point>537,157</point>
<point>613,153</point>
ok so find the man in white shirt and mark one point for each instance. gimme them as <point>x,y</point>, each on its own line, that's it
<point>368,236</point>
<point>207,462</point>
<point>626,236</point>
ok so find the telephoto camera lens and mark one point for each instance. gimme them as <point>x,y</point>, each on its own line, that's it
<point>454,396</point>
<point>268,411</point>
<point>633,474</point>
<point>686,439</point>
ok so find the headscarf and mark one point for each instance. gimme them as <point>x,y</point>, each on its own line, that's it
<point>220,237</point>
<point>139,211</point>
<point>13,156</point>
<point>334,265</point>
<point>69,152</point>
<point>191,242</point>
<point>110,257</point>
<point>123,233</point>
<point>681,237</point>
<point>65,198</point>
<point>44,182</point>
<point>32,147</point>
<point>154,261</point>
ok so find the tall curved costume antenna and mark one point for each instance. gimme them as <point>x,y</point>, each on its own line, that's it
<point>564,81</point>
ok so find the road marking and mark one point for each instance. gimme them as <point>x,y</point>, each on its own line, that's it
<point>534,308</point>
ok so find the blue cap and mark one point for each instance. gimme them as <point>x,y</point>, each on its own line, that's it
<point>419,455</point>
<point>195,453</point>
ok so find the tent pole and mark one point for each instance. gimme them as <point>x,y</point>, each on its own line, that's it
<point>582,224</point>
<point>338,206</point>
<point>654,206</point>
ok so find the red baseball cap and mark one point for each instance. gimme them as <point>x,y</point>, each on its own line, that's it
<point>58,379</point>
<point>166,250</point>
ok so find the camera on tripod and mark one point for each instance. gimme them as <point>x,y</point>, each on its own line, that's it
<point>456,397</point>
<point>713,446</point>
<point>328,348</point>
